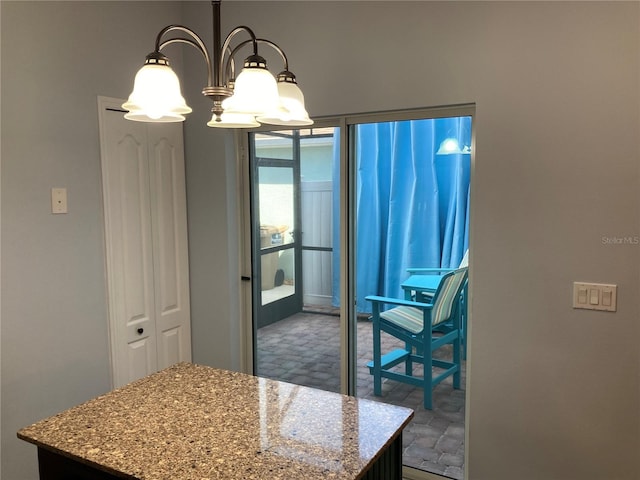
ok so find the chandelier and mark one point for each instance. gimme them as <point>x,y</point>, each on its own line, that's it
<point>254,97</point>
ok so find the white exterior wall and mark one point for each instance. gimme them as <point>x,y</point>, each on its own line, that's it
<point>317,231</point>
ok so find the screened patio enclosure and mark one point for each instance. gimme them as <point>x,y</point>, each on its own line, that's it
<point>412,206</point>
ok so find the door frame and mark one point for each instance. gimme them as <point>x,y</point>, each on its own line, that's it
<point>347,234</point>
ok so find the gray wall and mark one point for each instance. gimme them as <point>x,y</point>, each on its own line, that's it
<point>56,59</point>
<point>554,392</point>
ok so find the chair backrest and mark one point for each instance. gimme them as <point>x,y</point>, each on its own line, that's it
<point>465,260</point>
<point>447,295</point>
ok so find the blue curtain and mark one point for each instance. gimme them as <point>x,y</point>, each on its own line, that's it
<point>412,205</point>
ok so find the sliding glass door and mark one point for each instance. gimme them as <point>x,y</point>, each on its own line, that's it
<point>364,199</point>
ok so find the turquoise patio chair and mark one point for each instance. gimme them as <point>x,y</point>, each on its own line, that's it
<point>428,280</point>
<point>424,328</point>
<point>432,276</point>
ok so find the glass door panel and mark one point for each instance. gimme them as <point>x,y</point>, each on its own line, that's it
<point>277,220</point>
<point>296,325</point>
<point>411,211</point>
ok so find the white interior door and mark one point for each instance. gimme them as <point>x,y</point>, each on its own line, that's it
<point>169,238</point>
<point>146,241</point>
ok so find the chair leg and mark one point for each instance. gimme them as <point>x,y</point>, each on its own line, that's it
<point>463,339</point>
<point>408,364</point>
<point>377,351</point>
<point>460,344</point>
<point>456,359</point>
<point>428,373</point>
<point>463,321</point>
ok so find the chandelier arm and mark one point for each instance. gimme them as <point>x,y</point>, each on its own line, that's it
<point>230,70</point>
<point>193,44</point>
<point>224,67</point>
<point>229,66</point>
<point>277,49</point>
<point>196,42</point>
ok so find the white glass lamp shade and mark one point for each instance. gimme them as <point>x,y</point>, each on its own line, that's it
<point>291,111</point>
<point>233,120</point>
<point>255,92</point>
<point>156,96</point>
<point>449,146</point>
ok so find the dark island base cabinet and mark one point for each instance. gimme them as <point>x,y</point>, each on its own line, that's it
<point>53,466</point>
<point>388,466</point>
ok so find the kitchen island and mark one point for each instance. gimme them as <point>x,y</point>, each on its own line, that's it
<point>191,422</point>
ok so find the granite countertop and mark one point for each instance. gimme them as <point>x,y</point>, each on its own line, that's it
<point>192,422</point>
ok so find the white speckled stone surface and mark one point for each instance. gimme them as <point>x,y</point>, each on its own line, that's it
<point>191,422</point>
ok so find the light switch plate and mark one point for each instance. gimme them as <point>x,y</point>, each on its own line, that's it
<point>58,200</point>
<point>595,296</point>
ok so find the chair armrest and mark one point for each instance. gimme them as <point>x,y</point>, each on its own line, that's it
<point>398,301</point>
<point>421,271</point>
